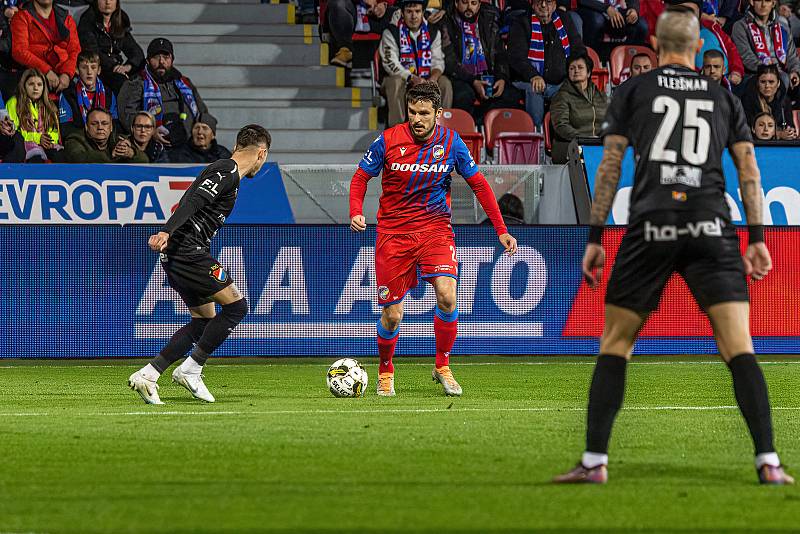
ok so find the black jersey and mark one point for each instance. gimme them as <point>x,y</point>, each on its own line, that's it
<point>203,209</point>
<point>679,123</point>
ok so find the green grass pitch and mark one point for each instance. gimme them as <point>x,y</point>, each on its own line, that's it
<point>277,453</point>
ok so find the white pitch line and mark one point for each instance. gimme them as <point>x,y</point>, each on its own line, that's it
<point>379,411</point>
<point>401,363</point>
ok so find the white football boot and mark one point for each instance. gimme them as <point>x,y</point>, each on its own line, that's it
<point>194,383</point>
<point>145,387</point>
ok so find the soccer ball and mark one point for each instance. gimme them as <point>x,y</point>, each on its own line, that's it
<point>346,378</point>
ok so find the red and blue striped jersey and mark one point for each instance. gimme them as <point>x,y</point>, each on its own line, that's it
<point>416,177</point>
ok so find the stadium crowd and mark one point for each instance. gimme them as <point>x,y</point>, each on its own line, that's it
<point>541,55</point>
<point>84,91</point>
<point>60,60</point>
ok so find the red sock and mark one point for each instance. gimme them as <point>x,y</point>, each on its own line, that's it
<point>386,348</point>
<point>445,331</point>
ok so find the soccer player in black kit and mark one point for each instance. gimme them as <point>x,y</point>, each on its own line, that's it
<point>184,244</point>
<point>679,123</point>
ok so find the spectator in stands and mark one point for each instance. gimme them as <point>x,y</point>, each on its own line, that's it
<point>761,40</point>
<point>106,29</point>
<point>714,66</point>
<point>142,130</point>
<point>8,76</point>
<point>411,52</point>
<point>97,143</point>
<point>612,21</point>
<point>511,208</point>
<point>473,50</point>
<point>787,15</point>
<point>578,109</point>
<point>764,127</point>
<point>203,148</point>
<point>86,93</point>
<point>640,63</point>
<point>168,95</point>
<point>346,17</point>
<point>538,50</point>
<point>715,38</point>
<point>35,117</point>
<point>766,92</point>
<point>45,38</point>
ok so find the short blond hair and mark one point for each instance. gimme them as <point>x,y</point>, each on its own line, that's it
<point>677,31</point>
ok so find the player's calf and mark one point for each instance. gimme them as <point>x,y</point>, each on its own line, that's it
<point>189,373</point>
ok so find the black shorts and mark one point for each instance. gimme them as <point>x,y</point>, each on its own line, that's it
<point>196,279</point>
<point>704,250</point>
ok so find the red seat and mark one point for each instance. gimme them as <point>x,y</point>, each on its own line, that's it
<point>599,73</point>
<point>621,58</point>
<point>509,133</point>
<point>461,121</point>
<point>548,141</point>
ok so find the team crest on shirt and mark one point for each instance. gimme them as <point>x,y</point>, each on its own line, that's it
<point>438,152</point>
<point>218,273</point>
<point>383,292</point>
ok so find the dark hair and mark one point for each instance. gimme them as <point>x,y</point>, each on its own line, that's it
<point>768,69</point>
<point>511,206</point>
<point>101,110</point>
<point>88,56</point>
<point>426,90</point>
<point>118,26</point>
<point>581,56</point>
<point>253,135</point>
<point>713,54</point>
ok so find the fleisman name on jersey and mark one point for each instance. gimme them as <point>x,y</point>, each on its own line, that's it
<point>680,83</point>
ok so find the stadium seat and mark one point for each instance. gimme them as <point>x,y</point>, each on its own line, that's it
<point>509,134</point>
<point>621,58</point>
<point>599,73</point>
<point>548,143</point>
<point>461,121</point>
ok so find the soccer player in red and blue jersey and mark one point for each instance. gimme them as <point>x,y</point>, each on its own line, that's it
<point>414,232</point>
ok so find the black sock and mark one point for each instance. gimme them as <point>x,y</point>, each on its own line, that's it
<point>605,400</point>
<point>179,344</point>
<point>751,394</point>
<point>218,329</point>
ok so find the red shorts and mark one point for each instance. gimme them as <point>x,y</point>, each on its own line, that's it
<point>398,256</point>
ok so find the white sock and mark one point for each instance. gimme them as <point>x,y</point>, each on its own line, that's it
<point>593,459</point>
<point>150,372</point>
<point>191,367</point>
<point>767,458</point>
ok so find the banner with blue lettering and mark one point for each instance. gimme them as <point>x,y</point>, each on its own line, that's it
<point>125,194</point>
<point>74,291</point>
<point>780,182</point>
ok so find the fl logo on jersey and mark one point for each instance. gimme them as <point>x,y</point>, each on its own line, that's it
<point>218,273</point>
<point>438,152</point>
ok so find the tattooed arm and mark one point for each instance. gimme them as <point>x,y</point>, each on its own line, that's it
<point>757,260</point>
<point>744,156</point>
<point>607,178</point>
<point>605,187</point>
